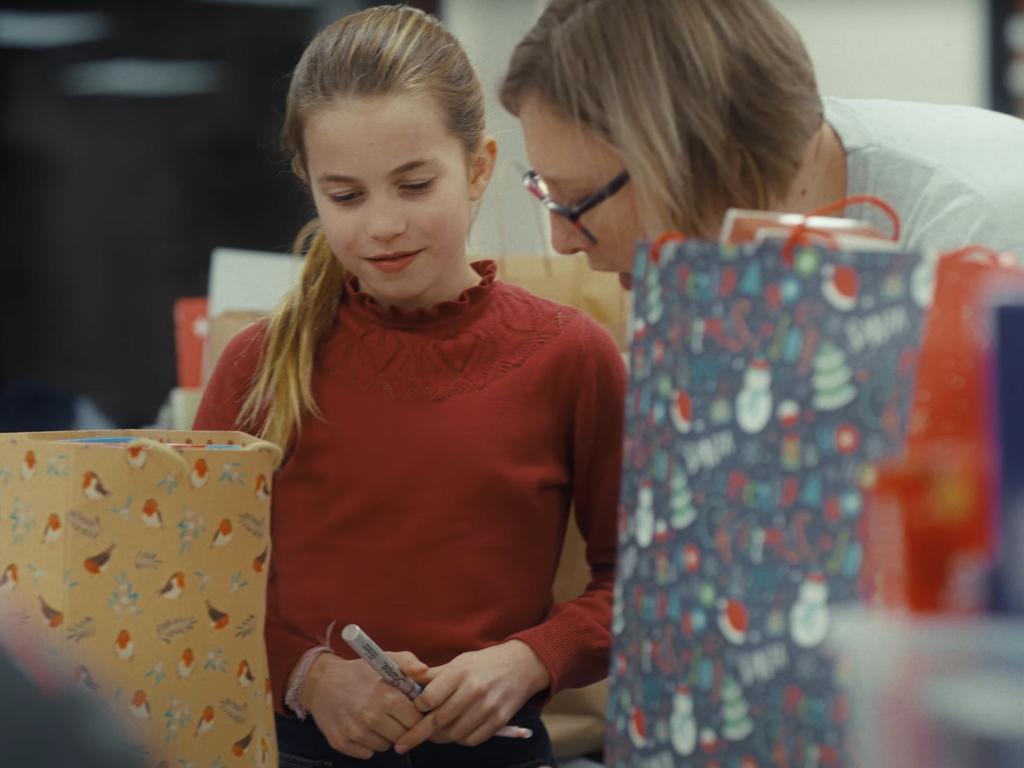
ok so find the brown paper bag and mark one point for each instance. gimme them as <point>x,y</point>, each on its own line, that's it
<point>143,568</point>
<point>574,718</point>
<point>223,328</point>
<point>570,280</point>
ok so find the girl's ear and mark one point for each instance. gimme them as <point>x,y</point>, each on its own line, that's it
<point>481,166</point>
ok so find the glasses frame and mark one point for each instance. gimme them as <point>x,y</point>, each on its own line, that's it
<point>533,181</point>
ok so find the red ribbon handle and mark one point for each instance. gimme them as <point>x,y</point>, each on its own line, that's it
<point>800,232</point>
<point>843,203</point>
<point>672,236</point>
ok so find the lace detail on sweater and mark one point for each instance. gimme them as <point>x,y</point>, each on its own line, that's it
<point>437,361</point>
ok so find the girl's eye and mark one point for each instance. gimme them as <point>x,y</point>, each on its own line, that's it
<point>344,197</point>
<point>417,187</point>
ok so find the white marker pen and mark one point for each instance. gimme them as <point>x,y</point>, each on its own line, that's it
<point>372,654</point>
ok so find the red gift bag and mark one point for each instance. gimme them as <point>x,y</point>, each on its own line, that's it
<point>930,515</point>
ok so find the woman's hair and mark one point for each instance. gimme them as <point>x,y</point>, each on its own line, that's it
<point>710,102</point>
<point>382,51</point>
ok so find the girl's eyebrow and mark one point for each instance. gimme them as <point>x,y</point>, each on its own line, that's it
<point>412,165</point>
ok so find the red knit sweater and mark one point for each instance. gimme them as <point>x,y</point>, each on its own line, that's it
<point>430,503</point>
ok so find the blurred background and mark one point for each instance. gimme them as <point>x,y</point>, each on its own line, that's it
<point>135,137</point>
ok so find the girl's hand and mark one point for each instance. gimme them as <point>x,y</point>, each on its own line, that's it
<point>475,694</point>
<point>356,710</point>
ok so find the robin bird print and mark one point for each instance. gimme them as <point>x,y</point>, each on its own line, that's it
<point>97,563</point>
<point>92,487</point>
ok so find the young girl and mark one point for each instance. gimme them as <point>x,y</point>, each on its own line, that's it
<point>439,424</point>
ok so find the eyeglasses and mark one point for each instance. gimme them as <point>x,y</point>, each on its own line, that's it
<point>539,189</point>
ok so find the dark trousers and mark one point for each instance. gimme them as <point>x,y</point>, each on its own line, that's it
<point>303,746</point>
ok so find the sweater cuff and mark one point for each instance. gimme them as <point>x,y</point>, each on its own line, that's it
<point>564,649</point>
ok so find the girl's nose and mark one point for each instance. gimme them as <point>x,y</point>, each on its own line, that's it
<point>385,221</point>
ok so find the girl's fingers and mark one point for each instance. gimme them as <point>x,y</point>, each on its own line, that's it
<point>422,731</point>
<point>372,741</point>
<point>390,729</point>
<point>409,663</point>
<point>479,735</point>
<point>471,721</point>
<point>461,702</point>
<point>354,749</point>
<point>436,693</point>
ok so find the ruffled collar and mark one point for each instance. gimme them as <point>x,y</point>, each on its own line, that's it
<point>362,304</point>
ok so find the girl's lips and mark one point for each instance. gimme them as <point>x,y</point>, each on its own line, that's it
<point>394,263</point>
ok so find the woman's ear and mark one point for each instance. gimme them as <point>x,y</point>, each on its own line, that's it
<point>481,166</point>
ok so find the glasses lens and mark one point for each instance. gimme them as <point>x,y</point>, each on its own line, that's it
<point>537,187</point>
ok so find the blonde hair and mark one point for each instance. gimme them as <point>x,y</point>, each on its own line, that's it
<point>382,51</point>
<point>710,102</point>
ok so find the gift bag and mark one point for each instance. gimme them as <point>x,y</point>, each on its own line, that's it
<point>765,381</point>
<point>139,559</point>
<point>951,395</point>
<point>930,534</point>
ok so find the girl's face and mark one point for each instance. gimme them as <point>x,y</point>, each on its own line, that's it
<point>393,190</point>
<point>575,162</point>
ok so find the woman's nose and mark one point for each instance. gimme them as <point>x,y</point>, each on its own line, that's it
<point>565,237</point>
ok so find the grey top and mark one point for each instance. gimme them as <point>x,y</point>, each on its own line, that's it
<point>954,174</point>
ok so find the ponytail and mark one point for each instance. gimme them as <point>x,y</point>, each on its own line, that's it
<point>281,392</point>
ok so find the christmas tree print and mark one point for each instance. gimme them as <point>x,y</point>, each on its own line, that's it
<point>683,510</point>
<point>737,724</point>
<point>832,379</point>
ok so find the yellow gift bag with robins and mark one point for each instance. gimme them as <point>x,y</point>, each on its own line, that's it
<point>139,559</point>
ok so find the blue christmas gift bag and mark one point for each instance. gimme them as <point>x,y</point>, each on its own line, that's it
<point>766,382</point>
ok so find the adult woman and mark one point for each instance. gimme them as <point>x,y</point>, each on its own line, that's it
<point>709,105</point>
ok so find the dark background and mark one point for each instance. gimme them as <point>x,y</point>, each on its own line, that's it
<point>112,204</point>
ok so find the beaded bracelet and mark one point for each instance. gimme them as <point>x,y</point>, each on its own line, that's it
<point>292,698</point>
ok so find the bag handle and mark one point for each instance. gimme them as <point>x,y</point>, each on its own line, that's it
<point>180,465</point>
<point>177,461</point>
<point>672,236</point>
<point>800,232</point>
<point>272,448</point>
<point>840,205</point>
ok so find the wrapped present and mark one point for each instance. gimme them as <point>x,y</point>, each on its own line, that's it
<point>140,560</point>
<point>190,330</point>
<point>766,381</point>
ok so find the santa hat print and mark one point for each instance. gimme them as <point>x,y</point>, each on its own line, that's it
<point>733,621</point>
<point>682,412</point>
<point>637,727</point>
<point>840,286</point>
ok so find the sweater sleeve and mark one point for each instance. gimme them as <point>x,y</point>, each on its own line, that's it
<point>218,410</point>
<point>574,640</point>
